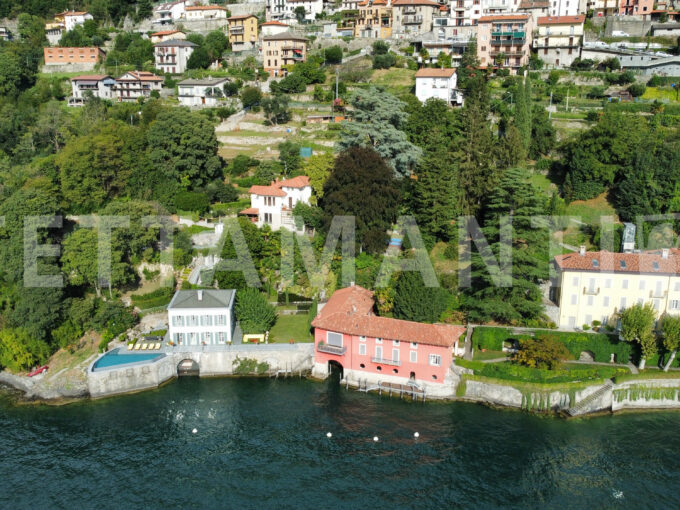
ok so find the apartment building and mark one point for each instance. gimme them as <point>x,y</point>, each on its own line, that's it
<point>597,286</point>
<point>281,50</point>
<point>274,28</point>
<point>242,31</point>
<point>413,17</point>
<point>172,56</point>
<point>71,19</point>
<point>636,8</point>
<point>203,12</point>
<point>559,39</point>
<point>96,85</point>
<point>169,12</point>
<point>168,35</point>
<point>201,92</point>
<point>201,317</point>
<point>68,55</point>
<point>504,40</point>
<point>537,9</point>
<point>135,84</point>
<point>374,19</point>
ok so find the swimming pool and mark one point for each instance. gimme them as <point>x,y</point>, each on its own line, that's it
<point>116,357</point>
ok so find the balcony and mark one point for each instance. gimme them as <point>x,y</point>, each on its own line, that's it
<point>515,34</point>
<point>508,53</point>
<point>331,349</point>
<point>591,291</point>
<point>655,295</point>
<point>409,10</point>
<point>412,20</point>
<point>382,361</point>
<point>508,42</point>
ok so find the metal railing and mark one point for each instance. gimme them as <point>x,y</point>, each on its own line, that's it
<point>591,292</point>
<point>331,349</point>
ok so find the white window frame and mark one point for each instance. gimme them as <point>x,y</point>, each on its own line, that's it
<point>362,338</point>
<point>342,338</point>
<point>395,343</point>
<point>413,356</point>
<point>378,351</point>
<point>435,360</point>
<point>395,351</point>
<point>414,345</point>
<point>624,284</point>
<point>378,341</point>
<point>362,349</point>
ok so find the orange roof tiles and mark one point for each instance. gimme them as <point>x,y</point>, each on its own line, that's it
<point>167,32</point>
<point>274,23</point>
<point>350,311</point>
<point>426,72</point>
<point>402,3</point>
<point>206,8</point>
<point>503,17</point>
<point>652,262</point>
<point>250,211</point>
<point>561,20</point>
<point>274,189</point>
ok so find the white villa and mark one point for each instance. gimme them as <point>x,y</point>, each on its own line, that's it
<point>99,85</point>
<point>204,92</point>
<point>438,84</point>
<point>273,205</point>
<point>169,12</point>
<point>201,317</point>
<point>134,84</point>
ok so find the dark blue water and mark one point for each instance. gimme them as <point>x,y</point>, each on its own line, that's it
<point>262,444</point>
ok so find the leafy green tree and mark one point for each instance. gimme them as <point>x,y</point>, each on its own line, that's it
<point>199,59</point>
<point>333,55</point>
<point>414,301</point>
<point>32,30</point>
<point>637,324</point>
<point>543,134</point>
<point>362,185</point>
<point>469,64</point>
<point>144,10</point>
<point>300,14</point>
<point>20,351</point>
<point>516,297</point>
<point>318,168</point>
<point>276,109</point>
<point>545,352</point>
<point>294,83</point>
<point>216,43</point>
<point>637,89</point>
<point>670,326</point>
<point>384,61</point>
<point>37,309</point>
<point>289,156</point>
<point>192,201</point>
<point>512,151</point>
<point>253,311</point>
<point>380,48</point>
<point>311,216</point>
<point>378,120</point>
<point>183,146</point>
<point>523,112</point>
<point>250,96</point>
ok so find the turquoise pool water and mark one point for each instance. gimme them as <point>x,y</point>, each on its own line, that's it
<point>116,357</point>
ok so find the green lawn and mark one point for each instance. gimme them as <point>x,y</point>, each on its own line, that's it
<point>592,210</point>
<point>479,355</point>
<point>660,93</point>
<point>289,327</point>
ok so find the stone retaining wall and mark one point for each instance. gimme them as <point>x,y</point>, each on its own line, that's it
<point>646,394</point>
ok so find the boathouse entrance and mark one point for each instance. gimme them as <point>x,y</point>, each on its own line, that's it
<point>335,370</point>
<point>187,367</point>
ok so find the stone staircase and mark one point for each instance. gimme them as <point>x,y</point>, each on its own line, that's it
<point>580,406</point>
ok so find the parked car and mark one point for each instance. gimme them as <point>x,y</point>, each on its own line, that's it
<point>620,33</point>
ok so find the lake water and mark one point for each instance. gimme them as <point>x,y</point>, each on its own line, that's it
<point>262,443</point>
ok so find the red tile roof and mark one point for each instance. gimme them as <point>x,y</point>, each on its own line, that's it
<point>350,311</point>
<point>503,17</point>
<point>561,20</point>
<point>141,76</point>
<point>167,32</point>
<point>206,8</point>
<point>90,77</point>
<point>274,189</point>
<point>401,3</point>
<point>274,23</point>
<point>651,262</point>
<point>250,211</point>
<point>426,72</point>
<point>241,16</point>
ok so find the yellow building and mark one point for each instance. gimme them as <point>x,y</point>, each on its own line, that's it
<point>242,31</point>
<point>597,286</point>
<point>374,19</point>
<point>281,50</point>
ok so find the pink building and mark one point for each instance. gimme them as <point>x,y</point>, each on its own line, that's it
<point>349,335</point>
<point>504,40</point>
<point>636,7</point>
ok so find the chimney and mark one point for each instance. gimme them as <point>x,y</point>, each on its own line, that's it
<point>664,253</point>
<point>582,250</point>
<point>199,294</point>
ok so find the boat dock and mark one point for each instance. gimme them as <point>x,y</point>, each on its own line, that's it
<point>412,390</point>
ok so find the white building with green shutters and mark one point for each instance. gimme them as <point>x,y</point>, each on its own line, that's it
<point>202,317</point>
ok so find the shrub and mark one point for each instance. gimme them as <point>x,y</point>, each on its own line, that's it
<point>544,352</point>
<point>383,61</point>
<point>192,201</point>
<point>253,311</point>
<point>250,96</point>
<point>637,89</point>
<point>333,55</point>
<point>553,77</point>
<point>156,298</point>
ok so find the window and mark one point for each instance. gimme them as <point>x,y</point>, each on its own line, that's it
<point>608,283</point>
<point>435,360</point>
<point>378,340</point>
<point>334,339</point>
<point>414,345</point>
<point>362,349</point>
<point>206,320</point>
<point>178,320</point>
<point>574,281</point>
<point>395,354</point>
<point>622,304</point>
<point>378,352</point>
<point>641,301</point>
<point>220,320</point>
<point>677,286</point>
<point>362,338</point>
<point>395,343</point>
<point>624,285</point>
<point>413,357</point>
<point>589,319</point>
<point>590,300</point>
<point>642,284</point>
<point>674,304</point>
<point>605,301</point>
<point>573,299</point>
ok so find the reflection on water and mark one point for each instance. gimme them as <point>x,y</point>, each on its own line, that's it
<point>262,443</point>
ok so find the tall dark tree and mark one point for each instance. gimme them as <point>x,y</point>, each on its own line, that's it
<point>414,301</point>
<point>362,185</point>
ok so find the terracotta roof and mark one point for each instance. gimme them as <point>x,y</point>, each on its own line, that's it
<point>167,32</point>
<point>350,310</point>
<point>300,181</point>
<point>241,16</point>
<point>71,13</point>
<point>250,211</point>
<point>503,17</point>
<point>375,2</point>
<point>142,76</point>
<point>401,3</point>
<point>270,191</point>
<point>172,43</point>
<point>561,20</point>
<point>206,8</point>
<point>426,72</point>
<point>651,262</point>
<point>530,4</point>
<point>284,36</point>
<point>90,77</point>
<point>274,189</point>
<point>273,23</point>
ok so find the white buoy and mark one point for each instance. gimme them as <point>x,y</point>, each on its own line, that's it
<point>416,435</point>
<point>194,431</point>
<point>329,435</point>
<point>375,439</point>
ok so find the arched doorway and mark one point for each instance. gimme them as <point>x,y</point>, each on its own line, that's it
<point>335,370</point>
<point>187,367</point>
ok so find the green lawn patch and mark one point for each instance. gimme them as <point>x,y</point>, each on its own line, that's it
<point>648,374</point>
<point>197,229</point>
<point>590,211</point>
<point>158,298</point>
<point>482,355</point>
<point>287,327</point>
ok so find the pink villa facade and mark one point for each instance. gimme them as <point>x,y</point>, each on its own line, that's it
<point>348,334</point>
